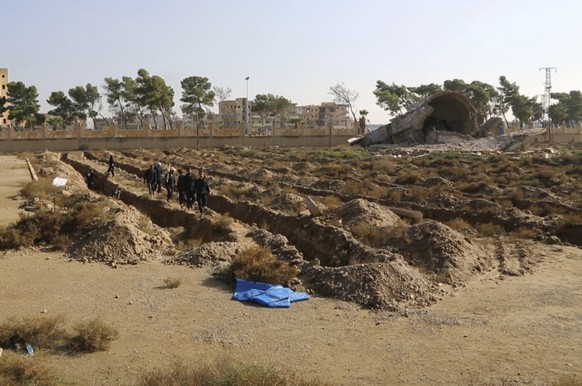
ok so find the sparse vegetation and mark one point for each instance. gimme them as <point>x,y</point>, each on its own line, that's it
<point>258,264</point>
<point>94,335</point>
<point>223,373</point>
<point>18,370</point>
<point>45,332</point>
<point>173,282</point>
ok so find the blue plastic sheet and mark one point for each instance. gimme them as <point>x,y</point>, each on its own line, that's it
<point>269,295</point>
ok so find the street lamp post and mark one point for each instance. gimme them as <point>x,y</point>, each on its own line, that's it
<point>247,108</point>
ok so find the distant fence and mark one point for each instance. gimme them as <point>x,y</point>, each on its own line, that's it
<point>77,137</point>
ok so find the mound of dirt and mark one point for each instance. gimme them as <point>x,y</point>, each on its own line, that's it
<point>210,254</point>
<point>445,254</point>
<point>288,203</point>
<point>387,286</point>
<point>127,239</point>
<point>361,211</point>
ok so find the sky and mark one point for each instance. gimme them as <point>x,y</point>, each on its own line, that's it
<point>297,49</point>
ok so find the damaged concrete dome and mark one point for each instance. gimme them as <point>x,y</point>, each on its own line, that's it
<point>444,117</point>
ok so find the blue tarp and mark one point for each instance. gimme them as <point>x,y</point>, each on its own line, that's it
<point>270,295</point>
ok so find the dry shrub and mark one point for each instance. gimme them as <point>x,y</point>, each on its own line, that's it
<point>352,188</point>
<point>488,229</point>
<point>42,189</point>
<point>332,202</point>
<point>38,332</point>
<point>258,264</point>
<point>568,380</point>
<point>173,282</point>
<point>385,165</point>
<point>369,234</point>
<point>408,177</point>
<point>223,372</point>
<point>94,335</point>
<point>458,223</point>
<point>524,233</point>
<point>221,225</point>
<point>418,194</point>
<point>473,187</point>
<point>17,370</point>
<point>380,192</point>
<point>335,170</point>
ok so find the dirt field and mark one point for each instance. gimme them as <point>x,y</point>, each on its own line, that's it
<point>513,317</point>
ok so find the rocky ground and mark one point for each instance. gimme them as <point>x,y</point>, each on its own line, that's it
<point>433,265</point>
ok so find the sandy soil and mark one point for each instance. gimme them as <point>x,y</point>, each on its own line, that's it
<point>495,330</point>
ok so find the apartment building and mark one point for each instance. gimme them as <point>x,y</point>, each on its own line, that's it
<point>4,93</point>
<point>232,114</point>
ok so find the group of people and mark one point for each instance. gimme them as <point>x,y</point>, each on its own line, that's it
<point>188,187</point>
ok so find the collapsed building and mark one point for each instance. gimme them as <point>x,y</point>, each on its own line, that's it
<point>446,117</point>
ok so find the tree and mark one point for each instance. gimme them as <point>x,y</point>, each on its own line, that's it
<point>507,92</point>
<point>3,105</point>
<point>343,95</point>
<point>271,105</point>
<point>64,108</point>
<point>23,104</point>
<point>152,93</point>
<point>426,90</point>
<point>197,94</point>
<point>570,106</point>
<point>392,98</point>
<point>85,101</point>
<point>222,93</point>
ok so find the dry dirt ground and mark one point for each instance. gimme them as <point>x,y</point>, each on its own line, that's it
<point>493,329</point>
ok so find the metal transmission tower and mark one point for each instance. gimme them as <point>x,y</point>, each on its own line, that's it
<point>546,99</point>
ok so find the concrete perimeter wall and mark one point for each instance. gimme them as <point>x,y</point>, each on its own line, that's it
<point>78,138</point>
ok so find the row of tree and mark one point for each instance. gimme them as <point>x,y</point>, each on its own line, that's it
<point>489,101</point>
<point>148,96</point>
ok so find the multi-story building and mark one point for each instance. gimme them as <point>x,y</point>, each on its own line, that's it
<point>4,94</point>
<point>325,114</point>
<point>233,113</point>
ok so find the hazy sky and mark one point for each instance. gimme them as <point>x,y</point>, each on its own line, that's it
<point>297,48</point>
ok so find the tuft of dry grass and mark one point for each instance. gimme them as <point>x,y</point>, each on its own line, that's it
<point>173,282</point>
<point>369,234</point>
<point>332,202</point>
<point>488,229</point>
<point>45,332</point>
<point>258,264</point>
<point>17,370</point>
<point>223,372</point>
<point>458,224</point>
<point>94,335</point>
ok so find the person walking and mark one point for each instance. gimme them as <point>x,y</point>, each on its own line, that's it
<point>170,181</point>
<point>111,169</point>
<point>181,188</point>
<point>149,177</point>
<point>189,188</point>
<point>202,191</point>
<point>159,173</point>
<point>91,179</point>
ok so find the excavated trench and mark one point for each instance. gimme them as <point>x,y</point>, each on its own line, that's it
<point>301,230</point>
<point>311,238</point>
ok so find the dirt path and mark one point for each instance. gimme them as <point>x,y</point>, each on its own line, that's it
<point>496,330</point>
<point>13,176</point>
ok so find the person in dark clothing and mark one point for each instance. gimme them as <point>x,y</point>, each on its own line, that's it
<point>91,179</point>
<point>149,177</point>
<point>181,189</point>
<point>170,181</point>
<point>159,174</point>
<point>202,191</point>
<point>111,169</point>
<point>189,188</point>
